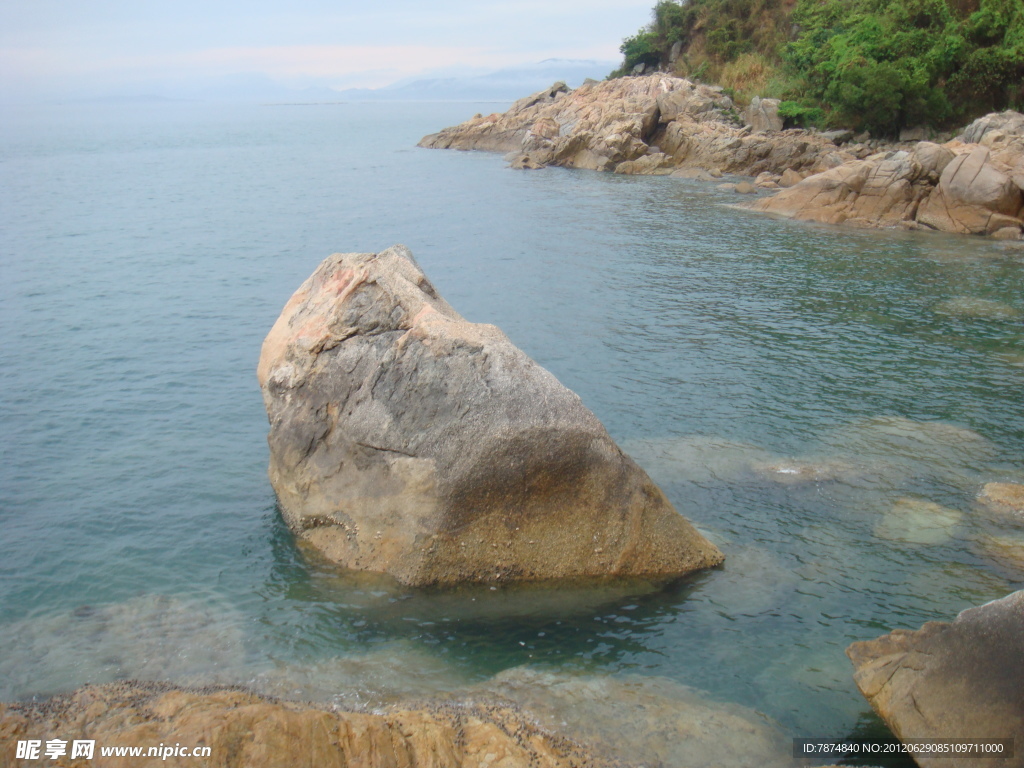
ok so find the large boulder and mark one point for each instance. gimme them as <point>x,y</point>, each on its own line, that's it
<point>1009,122</point>
<point>762,115</point>
<point>826,197</point>
<point>972,197</point>
<point>406,440</point>
<point>933,158</point>
<point>961,680</point>
<point>889,195</point>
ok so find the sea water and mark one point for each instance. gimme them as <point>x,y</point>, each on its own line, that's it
<point>825,404</point>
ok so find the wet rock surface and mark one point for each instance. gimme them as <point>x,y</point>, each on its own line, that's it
<point>962,679</point>
<point>1005,498</point>
<point>406,440</point>
<point>243,729</point>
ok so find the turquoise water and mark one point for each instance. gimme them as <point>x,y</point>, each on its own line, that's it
<point>801,393</point>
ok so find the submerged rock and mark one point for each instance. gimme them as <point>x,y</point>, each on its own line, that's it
<point>799,471</point>
<point>887,456</point>
<point>974,307</point>
<point>406,440</point>
<point>916,521</point>
<point>704,459</point>
<point>1006,498</point>
<point>649,721</point>
<point>381,676</point>
<point>961,680</point>
<point>695,458</point>
<point>895,446</point>
<point>150,637</point>
<point>242,729</point>
<point>1006,553</point>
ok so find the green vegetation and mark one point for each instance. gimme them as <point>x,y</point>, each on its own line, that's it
<point>880,65</point>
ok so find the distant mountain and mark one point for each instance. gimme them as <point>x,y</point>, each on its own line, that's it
<point>504,85</point>
<point>501,85</point>
<point>240,88</point>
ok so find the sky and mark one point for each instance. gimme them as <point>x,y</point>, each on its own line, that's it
<point>77,46</point>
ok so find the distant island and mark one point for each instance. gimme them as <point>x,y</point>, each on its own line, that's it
<point>506,84</point>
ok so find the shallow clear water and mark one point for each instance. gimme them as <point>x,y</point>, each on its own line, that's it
<point>797,391</point>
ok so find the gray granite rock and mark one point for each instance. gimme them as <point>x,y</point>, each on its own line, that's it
<point>406,440</point>
<point>962,680</point>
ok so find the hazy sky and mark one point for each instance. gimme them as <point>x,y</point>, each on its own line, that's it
<point>74,43</point>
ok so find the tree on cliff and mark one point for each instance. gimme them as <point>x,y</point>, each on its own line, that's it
<point>869,64</point>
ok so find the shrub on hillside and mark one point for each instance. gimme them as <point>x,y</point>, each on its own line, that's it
<point>880,65</point>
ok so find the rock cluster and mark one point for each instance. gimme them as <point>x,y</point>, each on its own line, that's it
<point>961,680</point>
<point>659,124</point>
<point>408,441</point>
<point>971,185</point>
<point>242,729</point>
<point>642,125</point>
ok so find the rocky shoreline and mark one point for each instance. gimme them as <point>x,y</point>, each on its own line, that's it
<point>663,125</point>
<point>650,125</point>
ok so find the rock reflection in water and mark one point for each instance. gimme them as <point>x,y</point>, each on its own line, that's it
<point>483,629</point>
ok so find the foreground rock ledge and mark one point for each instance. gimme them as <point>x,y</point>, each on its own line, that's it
<point>244,730</point>
<point>962,680</point>
<point>406,440</point>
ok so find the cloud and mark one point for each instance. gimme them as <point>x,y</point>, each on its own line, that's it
<point>334,41</point>
<point>343,66</point>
